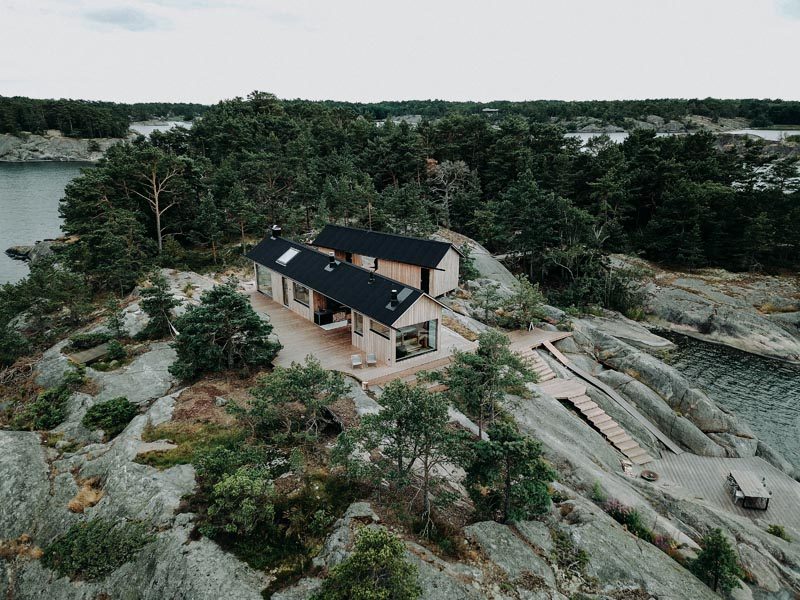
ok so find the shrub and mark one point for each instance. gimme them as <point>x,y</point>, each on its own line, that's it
<point>376,570</point>
<point>779,531</point>
<point>84,341</point>
<point>112,416</point>
<point>115,351</point>
<point>192,441</point>
<point>598,495</point>
<point>93,549</point>
<point>49,409</point>
<point>241,502</point>
<point>568,556</point>
<point>630,517</point>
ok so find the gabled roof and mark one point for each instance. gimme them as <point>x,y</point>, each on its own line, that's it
<point>348,284</point>
<point>387,246</point>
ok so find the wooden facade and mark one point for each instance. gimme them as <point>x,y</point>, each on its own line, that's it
<point>440,280</point>
<point>424,310</point>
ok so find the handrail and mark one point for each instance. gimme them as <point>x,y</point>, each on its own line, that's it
<point>662,437</point>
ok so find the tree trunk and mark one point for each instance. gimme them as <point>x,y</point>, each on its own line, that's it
<point>507,498</point>
<point>158,226</point>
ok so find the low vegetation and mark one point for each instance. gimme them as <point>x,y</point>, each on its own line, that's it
<point>49,408</point>
<point>111,416</point>
<point>376,570</point>
<point>93,549</point>
<point>779,531</point>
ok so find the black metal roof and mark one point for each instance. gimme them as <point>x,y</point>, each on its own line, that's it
<point>348,284</point>
<point>388,246</point>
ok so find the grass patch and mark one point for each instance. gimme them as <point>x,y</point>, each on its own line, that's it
<point>93,549</point>
<point>192,439</point>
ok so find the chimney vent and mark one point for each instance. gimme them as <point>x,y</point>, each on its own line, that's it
<point>393,300</point>
<point>371,277</point>
<point>276,231</point>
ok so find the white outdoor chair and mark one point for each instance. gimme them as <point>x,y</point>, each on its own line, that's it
<point>356,360</point>
<point>372,360</point>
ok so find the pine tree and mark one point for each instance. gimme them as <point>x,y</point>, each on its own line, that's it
<point>716,564</point>
<point>222,333</point>
<point>158,302</point>
<point>376,570</point>
<point>507,478</point>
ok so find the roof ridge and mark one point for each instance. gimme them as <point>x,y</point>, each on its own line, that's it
<point>349,264</point>
<point>399,235</point>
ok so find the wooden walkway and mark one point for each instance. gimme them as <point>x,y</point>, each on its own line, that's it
<point>702,479</point>
<point>627,406</point>
<point>575,393</point>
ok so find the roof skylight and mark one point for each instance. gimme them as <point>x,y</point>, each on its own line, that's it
<point>284,258</point>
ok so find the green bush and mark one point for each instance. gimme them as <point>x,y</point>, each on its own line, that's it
<point>49,409</point>
<point>84,341</point>
<point>779,531</point>
<point>112,416</point>
<point>93,549</point>
<point>376,570</point>
<point>115,351</point>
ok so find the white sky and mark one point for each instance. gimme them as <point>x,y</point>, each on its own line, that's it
<point>206,50</point>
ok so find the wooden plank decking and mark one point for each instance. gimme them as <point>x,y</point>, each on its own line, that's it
<point>703,479</point>
<point>301,337</point>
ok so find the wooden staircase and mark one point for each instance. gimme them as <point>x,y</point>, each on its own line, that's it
<point>575,393</point>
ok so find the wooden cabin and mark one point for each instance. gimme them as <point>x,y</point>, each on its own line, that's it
<point>385,317</point>
<point>427,265</point>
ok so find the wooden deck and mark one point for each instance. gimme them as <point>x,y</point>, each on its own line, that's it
<point>301,337</point>
<point>702,479</point>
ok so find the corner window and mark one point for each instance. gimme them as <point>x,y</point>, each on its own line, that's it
<point>358,323</point>
<point>379,328</point>
<point>301,293</point>
<point>416,339</point>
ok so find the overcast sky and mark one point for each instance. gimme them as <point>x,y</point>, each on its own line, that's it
<point>207,50</point>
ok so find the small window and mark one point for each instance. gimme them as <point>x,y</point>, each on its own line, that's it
<point>358,323</point>
<point>284,258</point>
<point>301,293</point>
<point>379,328</point>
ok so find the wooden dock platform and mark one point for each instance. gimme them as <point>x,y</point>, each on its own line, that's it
<point>703,479</point>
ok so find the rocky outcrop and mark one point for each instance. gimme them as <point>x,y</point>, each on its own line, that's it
<point>37,486</point>
<point>749,311</point>
<point>52,146</point>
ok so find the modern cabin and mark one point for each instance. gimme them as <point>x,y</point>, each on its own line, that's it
<point>427,265</point>
<point>385,317</point>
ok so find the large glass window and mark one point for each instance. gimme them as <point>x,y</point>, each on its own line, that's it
<point>263,279</point>
<point>301,293</point>
<point>416,339</point>
<point>379,328</point>
<point>358,323</point>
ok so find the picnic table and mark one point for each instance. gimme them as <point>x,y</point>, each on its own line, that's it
<point>750,489</point>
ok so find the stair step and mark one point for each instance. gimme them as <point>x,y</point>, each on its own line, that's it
<point>614,431</point>
<point>546,377</point>
<point>584,406</point>
<point>594,412</point>
<point>642,459</point>
<point>581,398</point>
<point>604,422</point>
<point>628,444</point>
<point>618,438</point>
<point>634,452</point>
